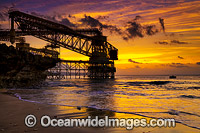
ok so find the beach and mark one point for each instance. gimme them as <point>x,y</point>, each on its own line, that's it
<point>13,112</point>
<point>110,66</point>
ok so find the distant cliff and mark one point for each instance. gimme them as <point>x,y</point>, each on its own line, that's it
<point>22,69</point>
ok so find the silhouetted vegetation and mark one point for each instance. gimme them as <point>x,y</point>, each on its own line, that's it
<point>21,68</point>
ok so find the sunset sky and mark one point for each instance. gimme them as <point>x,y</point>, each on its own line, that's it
<point>175,51</point>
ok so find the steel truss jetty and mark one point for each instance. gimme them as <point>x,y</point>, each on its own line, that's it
<point>88,42</point>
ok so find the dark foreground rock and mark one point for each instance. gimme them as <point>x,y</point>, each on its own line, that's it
<point>22,69</point>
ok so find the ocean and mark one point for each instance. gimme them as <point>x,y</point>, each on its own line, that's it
<point>150,96</point>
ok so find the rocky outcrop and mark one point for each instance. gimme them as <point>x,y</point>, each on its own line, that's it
<point>22,69</point>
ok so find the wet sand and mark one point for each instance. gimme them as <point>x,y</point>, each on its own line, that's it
<point>13,112</point>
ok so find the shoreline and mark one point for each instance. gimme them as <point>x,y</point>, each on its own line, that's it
<point>79,107</point>
<point>13,112</point>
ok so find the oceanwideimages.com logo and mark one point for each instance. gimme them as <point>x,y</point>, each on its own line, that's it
<point>130,123</point>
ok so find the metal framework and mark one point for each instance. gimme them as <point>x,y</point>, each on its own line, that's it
<point>88,42</point>
<point>5,36</point>
<point>60,34</point>
<point>69,69</point>
<point>81,69</point>
<point>43,52</point>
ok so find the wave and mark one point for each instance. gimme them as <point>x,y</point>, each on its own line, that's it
<point>149,83</point>
<point>188,96</point>
<point>171,112</point>
<point>70,85</point>
<point>193,88</point>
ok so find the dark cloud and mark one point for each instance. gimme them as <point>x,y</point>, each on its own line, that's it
<point>66,21</point>
<point>178,42</point>
<point>176,65</point>
<point>132,30</point>
<point>135,29</point>
<point>162,24</point>
<point>198,63</point>
<point>170,42</point>
<point>112,29</point>
<point>130,60</point>
<point>92,22</point>
<point>180,57</point>
<point>151,30</point>
<point>162,42</point>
